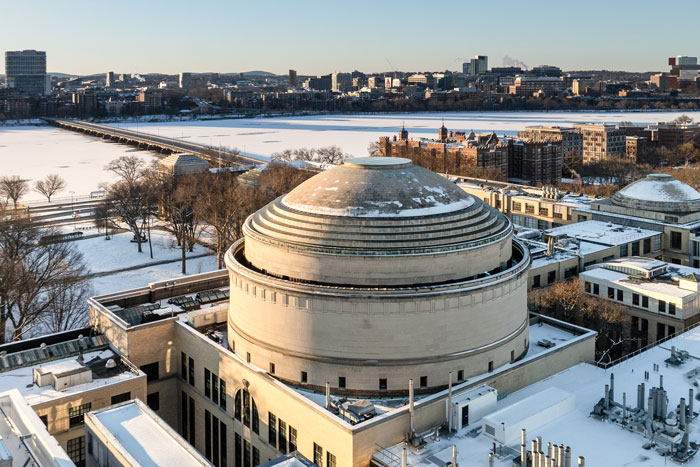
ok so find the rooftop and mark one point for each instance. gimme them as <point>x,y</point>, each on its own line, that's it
<point>143,438</point>
<point>658,192</point>
<point>601,233</point>
<point>602,443</point>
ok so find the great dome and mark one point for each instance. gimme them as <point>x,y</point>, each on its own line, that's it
<point>370,208</point>
<point>375,272</point>
<point>659,193</point>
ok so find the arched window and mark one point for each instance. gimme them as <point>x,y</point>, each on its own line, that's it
<point>246,411</point>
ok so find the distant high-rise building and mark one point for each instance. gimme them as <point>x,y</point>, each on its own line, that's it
<point>340,80</point>
<point>185,81</point>
<point>109,79</point>
<point>26,70</point>
<point>293,78</point>
<point>477,66</point>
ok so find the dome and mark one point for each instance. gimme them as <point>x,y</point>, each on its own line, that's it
<point>367,209</point>
<point>659,193</point>
<point>375,272</point>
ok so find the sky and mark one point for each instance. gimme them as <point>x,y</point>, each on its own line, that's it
<point>318,37</point>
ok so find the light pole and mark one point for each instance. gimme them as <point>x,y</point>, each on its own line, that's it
<point>72,208</point>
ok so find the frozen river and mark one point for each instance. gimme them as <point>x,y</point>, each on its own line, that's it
<point>33,152</point>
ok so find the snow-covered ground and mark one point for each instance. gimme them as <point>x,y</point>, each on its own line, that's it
<point>33,152</point>
<point>353,133</point>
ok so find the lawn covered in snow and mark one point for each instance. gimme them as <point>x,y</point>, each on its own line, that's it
<point>33,152</point>
<point>353,133</point>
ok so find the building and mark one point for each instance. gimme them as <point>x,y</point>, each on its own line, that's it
<point>539,163</point>
<point>109,79</point>
<point>601,141</point>
<point>152,100</point>
<point>293,81</point>
<point>341,82</point>
<point>586,87</point>
<point>85,102</point>
<point>319,83</point>
<point>279,347</point>
<point>658,202</point>
<point>478,65</point>
<point>570,138</point>
<point>183,164</point>
<point>661,298</point>
<point>527,206</point>
<point>531,85</point>
<point>26,70</point>
<point>634,145</point>
<point>131,434</point>
<point>64,376</point>
<point>673,134</point>
<point>185,81</point>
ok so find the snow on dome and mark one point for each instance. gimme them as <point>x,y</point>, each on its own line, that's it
<point>658,192</point>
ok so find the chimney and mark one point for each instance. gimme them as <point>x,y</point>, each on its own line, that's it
<point>328,395</point>
<point>690,402</point>
<point>607,398</point>
<point>449,404</point>
<point>581,461</point>
<point>612,387</point>
<point>681,414</point>
<point>410,407</point>
<point>567,457</point>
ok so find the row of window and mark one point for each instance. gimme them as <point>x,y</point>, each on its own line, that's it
<point>215,388</point>
<point>246,411</point>
<point>552,276</point>
<point>278,436</point>
<point>187,368</point>
<point>318,457</point>
<point>214,440</point>
<point>637,299</point>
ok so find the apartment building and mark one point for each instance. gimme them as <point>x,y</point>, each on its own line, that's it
<point>600,141</point>
<point>571,141</point>
<point>26,70</point>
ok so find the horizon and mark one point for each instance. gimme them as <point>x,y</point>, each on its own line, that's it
<point>172,37</point>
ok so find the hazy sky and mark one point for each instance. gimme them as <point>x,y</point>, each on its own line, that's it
<point>316,37</point>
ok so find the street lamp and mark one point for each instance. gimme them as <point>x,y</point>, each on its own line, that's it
<point>72,208</point>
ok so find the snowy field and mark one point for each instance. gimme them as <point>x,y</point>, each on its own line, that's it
<point>264,136</point>
<point>33,152</point>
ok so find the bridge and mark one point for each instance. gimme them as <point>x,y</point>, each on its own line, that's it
<point>216,156</point>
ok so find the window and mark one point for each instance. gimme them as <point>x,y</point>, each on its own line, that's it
<point>292,439</point>
<point>490,366</point>
<point>587,286</point>
<point>647,245</point>
<point>671,330</point>
<point>215,388</point>
<point>536,281</point>
<point>207,383</point>
<point>222,394</point>
<point>246,408</point>
<point>635,299</point>
<point>272,368</point>
<point>255,418</point>
<point>460,375</point>
<point>676,240</point>
<point>237,450</point>
<point>247,357</point>
<point>272,429</point>
<point>153,400</point>
<point>551,276</point>
<point>330,460</point>
<point>89,443</point>
<point>222,444</point>
<point>76,415</point>
<point>304,377</point>
<point>424,381</point>
<point>45,420</point>
<point>382,384</point>
<point>657,243</point>
<point>123,397</point>
<point>75,448</point>
<point>191,371</point>
<point>635,249</point>
<point>596,289</point>
<point>256,456</point>
<point>529,208</point>
<point>516,206</point>
<point>662,306</point>
<point>207,435</point>
<point>237,405</point>
<point>318,455</point>
<point>671,308</point>
<point>184,415</point>
<point>620,295</point>
<point>675,261</point>
<point>645,302</point>
<point>246,453</point>
<point>192,422</point>
<point>282,431</point>
<point>151,371</point>
<point>341,382</point>
<point>623,250</point>
<point>611,293</point>
<point>183,365</point>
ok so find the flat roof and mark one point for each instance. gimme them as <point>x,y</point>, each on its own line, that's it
<point>604,233</point>
<point>600,442</point>
<point>134,429</point>
<point>655,285</point>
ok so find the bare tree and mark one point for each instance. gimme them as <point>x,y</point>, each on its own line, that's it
<point>50,185</point>
<point>35,276</point>
<point>68,308</point>
<point>130,169</point>
<point>12,188</point>
<point>330,155</point>
<point>178,196</point>
<point>134,205</point>
<point>373,149</point>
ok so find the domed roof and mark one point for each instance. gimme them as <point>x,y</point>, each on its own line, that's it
<point>658,192</point>
<point>373,207</point>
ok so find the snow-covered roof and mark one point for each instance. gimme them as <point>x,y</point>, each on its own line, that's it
<point>133,429</point>
<point>658,192</point>
<point>601,233</point>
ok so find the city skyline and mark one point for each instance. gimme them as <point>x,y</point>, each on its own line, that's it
<point>170,37</point>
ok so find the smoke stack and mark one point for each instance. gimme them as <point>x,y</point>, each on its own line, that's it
<point>523,435</point>
<point>404,455</point>
<point>681,414</point>
<point>567,457</point>
<point>661,381</point>
<point>690,402</point>
<point>328,395</point>
<point>624,404</point>
<point>581,461</point>
<point>539,443</point>
<point>560,456</point>
<point>533,452</point>
<point>410,407</point>
<point>612,387</point>
<point>650,410</point>
<point>449,404</point>
<point>549,449</point>
<point>607,397</point>
<point>454,451</point>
